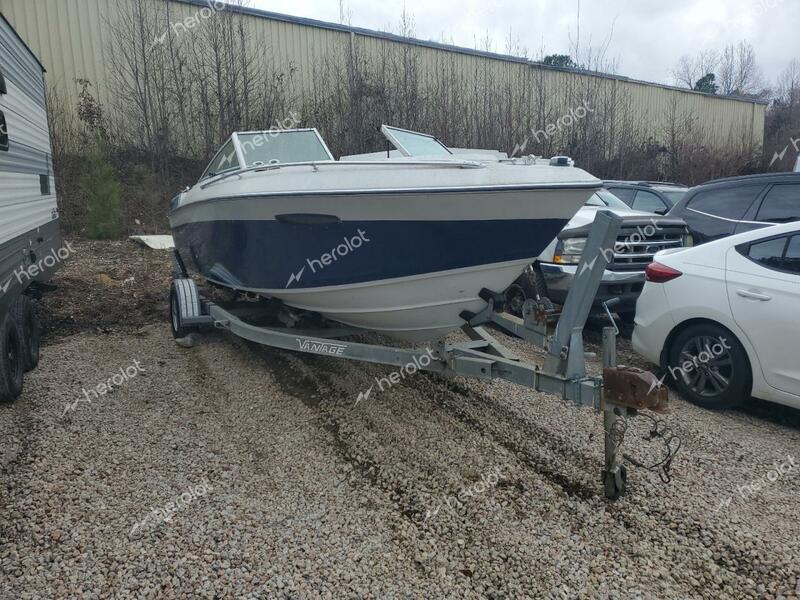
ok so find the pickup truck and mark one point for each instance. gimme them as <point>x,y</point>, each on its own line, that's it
<point>642,235</point>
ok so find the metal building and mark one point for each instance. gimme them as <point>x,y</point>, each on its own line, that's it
<point>72,38</point>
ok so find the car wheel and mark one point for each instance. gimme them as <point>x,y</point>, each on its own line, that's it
<point>710,367</point>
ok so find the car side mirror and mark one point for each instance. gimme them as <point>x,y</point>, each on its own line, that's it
<point>661,211</point>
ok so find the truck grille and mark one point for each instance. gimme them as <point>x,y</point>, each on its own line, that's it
<point>635,250</point>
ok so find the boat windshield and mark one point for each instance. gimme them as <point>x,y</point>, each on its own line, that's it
<point>224,161</point>
<point>288,146</point>
<point>411,143</point>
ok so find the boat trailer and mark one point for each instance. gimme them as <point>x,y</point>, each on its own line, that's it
<point>619,394</point>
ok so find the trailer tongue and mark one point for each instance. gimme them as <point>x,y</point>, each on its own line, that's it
<point>619,394</point>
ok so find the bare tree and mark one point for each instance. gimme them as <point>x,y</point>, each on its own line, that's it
<point>690,70</point>
<point>513,45</point>
<point>789,84</point>
<point>739,73</point>
<point>782,124</point>
<point>345,13</point>
<point>684,72</point>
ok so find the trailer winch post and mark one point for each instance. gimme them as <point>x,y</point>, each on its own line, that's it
<point>565,351</point>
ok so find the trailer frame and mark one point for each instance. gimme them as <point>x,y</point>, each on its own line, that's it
<point>483,357</point>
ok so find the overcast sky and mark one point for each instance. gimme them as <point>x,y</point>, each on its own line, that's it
<point>647,36</point>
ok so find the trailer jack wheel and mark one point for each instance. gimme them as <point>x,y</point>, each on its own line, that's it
<point>615,482</point>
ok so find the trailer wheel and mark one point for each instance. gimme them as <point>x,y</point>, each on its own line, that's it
<point>184,302</point>
<point>24,313</point>
<point>11,368</point>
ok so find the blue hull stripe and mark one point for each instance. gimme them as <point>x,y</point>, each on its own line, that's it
<point>273,255</point>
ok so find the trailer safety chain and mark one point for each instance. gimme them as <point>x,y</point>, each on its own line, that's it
<point>616,433</point>
<point>659,429</point>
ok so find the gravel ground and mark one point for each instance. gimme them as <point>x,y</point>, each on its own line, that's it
<point>227,470</point>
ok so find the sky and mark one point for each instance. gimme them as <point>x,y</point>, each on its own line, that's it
<point>644,38</point>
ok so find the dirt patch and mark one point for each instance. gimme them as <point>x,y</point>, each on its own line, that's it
<point>107,286</point>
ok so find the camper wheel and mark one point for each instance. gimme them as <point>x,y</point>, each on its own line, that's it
<point>11,367</point>
<point>24,313</point>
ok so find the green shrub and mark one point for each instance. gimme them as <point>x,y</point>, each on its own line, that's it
<point>102,191</point>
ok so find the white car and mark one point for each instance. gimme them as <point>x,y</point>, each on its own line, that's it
<point>723,319</point>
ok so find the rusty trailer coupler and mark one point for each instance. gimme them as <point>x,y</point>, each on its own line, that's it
<point>634,388</point>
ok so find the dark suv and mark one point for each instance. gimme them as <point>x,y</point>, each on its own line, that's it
<point>648,196</point>
<point>724,207</point>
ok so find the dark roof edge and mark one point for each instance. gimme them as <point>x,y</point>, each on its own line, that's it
<point>28,48</point>
<point>255,12</point>
<point>752,177</point>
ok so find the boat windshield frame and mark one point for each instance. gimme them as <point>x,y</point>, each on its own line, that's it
<point>207,173</point>
<point>387,131</point>
<point>237,145</point>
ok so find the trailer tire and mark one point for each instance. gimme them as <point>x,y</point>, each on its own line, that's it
<point>11,367</point>
<point>27,319</point>
<point>184,301</point>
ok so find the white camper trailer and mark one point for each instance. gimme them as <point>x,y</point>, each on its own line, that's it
<point>30,241</point>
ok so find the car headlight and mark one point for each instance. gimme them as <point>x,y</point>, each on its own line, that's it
<point>569,251</point>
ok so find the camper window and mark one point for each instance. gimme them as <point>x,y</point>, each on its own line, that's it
<point>3,89</point>
<point>44,184</point>
<point>3,132</point>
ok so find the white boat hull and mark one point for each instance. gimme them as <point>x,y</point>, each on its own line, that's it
<point>416,309</point>
<point>362,246</point>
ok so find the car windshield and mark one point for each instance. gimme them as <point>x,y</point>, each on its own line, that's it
<point>272,147</point>
<point>608,200</point>
<point>673,196</point>
<point>411,143</point>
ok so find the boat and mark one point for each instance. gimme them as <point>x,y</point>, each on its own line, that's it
<point>400,243</point>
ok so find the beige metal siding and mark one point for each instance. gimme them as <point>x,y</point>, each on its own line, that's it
<point>71,39</point>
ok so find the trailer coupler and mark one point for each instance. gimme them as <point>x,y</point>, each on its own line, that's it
<point>634,388</point>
